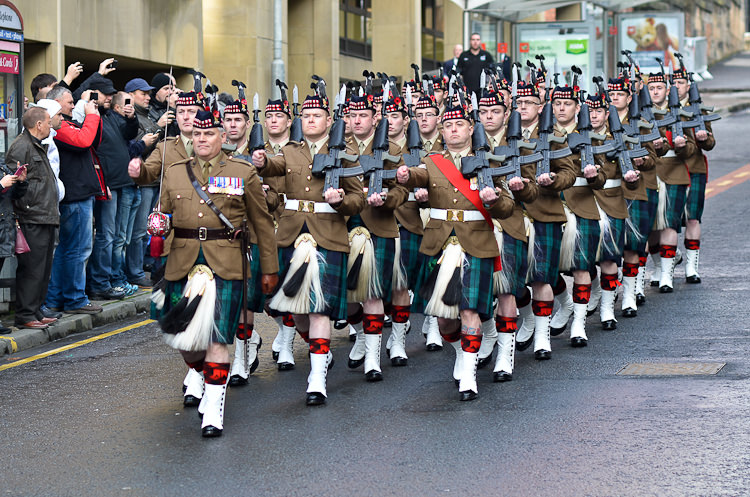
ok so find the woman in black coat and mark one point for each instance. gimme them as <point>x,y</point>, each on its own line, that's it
<point>11,187</point>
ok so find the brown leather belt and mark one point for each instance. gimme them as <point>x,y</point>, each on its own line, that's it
<point>203,234</point>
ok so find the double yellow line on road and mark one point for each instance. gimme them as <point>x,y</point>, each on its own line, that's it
<point>74,345</point>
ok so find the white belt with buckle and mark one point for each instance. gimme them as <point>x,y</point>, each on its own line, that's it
<point>612,183</point>
<point>581,181</point>
<point>456,215</point>
<point>670,153</point>
<point>309,206</point>
<point>412,198</point>
<point>383,190</point>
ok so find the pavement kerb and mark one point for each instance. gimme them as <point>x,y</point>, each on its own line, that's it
<point>113,311</point>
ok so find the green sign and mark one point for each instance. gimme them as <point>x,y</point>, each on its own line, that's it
<point>576,47</point>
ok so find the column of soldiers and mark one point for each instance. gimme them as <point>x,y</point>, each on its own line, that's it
<point>468,209</point>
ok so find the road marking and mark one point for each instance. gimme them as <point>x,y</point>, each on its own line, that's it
<point>74,345</point>
<point>13,344</point>
<point>724,183</point>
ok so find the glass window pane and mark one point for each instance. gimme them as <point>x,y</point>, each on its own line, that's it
<point>342,24</point>
<point>368,30</point>
<point>427,13</point>
<point>428,46</point>
<point>439,16</point>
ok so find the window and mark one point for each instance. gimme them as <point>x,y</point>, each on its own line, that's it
<point>433,25</point>
<point>355,28</point>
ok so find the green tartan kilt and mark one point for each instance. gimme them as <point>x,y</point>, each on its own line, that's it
<point>515,263</point>
<point>546,252</point>
<point>476,284</point>
<point>255,297</point>
<point>696,197</point>
<point>642,216</point>
<point>613,242</point>
<point>676,198</point>
<point>228,304</point>
<point>411,259</point>
<point>587,242</point>
<point>332,279</point>
<point>385,254</point>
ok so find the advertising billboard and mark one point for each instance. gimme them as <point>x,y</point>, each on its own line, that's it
<point>650,35</point>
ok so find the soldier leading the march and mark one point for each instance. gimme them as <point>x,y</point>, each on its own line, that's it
<point>210,197</point>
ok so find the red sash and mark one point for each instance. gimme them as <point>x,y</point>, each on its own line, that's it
<point>457,179</point>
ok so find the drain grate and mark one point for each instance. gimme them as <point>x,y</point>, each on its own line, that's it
<point>671,368</point>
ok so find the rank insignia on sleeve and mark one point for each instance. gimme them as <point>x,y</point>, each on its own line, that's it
<point>226,185</point>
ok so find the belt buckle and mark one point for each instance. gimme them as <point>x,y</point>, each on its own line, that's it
<point>202,233</point>
<point>456,215</point>
<point>306,206</point>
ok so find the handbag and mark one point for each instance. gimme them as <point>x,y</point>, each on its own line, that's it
<point>22,246</point>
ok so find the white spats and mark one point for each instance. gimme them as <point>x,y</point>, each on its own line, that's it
<point>541,333</point>
<point>667,273</point>
<point>397,340</point>
<point>489,338</point>
<point>578,325</point>
<point>607,306</point>
<point>372,352</point>
<point>506,353</point>
<point>316,380</point>
<point>431,331</point>
<point>240,367</point>
<point>286,344</point>
<point>213,406</point>
<point>691,266</point>
<point>564,311</point>
<point>193,383</point>
<point>628,292</point>
<point>526,329</point>
<point>468,380</point>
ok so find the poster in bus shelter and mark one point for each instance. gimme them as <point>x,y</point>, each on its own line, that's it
<point>561,47</point>
<point>650,35</point>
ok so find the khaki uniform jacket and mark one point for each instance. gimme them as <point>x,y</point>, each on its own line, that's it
<point>476,237</point>
<point>180,199</point>
<point>381,221</point>
<point>438,146</point>
<point>274,194</point>
<point>514,224</point>
<point>175,152</point>
<point>647,170</point>
<point>612,200</point>
<point>548,207</point>
<point>696,162</point>
<point>407,214</point>
<point>673,170</point>
<point>294,163</point>
<point>580,199</point>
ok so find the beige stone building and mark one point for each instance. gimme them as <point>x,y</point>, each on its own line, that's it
<point>234,39</point>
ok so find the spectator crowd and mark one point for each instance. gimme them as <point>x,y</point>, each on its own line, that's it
<point>69,212</point>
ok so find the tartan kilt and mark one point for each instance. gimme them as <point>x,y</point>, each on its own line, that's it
<point>612,246</point>
<point>587,242</point>
<point>676,198</point>
<point>255,297</point>
<point>515,263</point>
<point>476,284</point>
<point>696,196</point>
<point>411,259</point>
<point>546,252</point>
<point>332,279</point>
<point>642,216</point>
<point>228,304</point>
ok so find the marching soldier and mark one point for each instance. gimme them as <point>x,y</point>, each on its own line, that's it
<point>427,113</point>
<point>641,201</point>
<point>210,198</point>
<point>171,150</point>
<point>313,240</point>
<point>510,285</point>
<point>673,182</point>
<point>613,210</point>
<point>408,266</point>
<point>697,164</point>
<point>236,123</point>
<point>582,230</point>
<point>377,223</point>
<point>460,244</point>
<point>278,122</point>
<point>548,216</point>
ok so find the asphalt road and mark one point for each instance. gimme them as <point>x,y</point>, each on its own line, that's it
<point>106,418</point>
